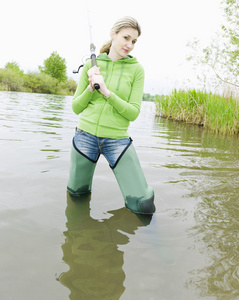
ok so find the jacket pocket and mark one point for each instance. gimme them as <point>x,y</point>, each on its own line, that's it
<point>118,119</point>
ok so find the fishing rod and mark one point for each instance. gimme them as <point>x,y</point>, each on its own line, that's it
<point>92,49</point>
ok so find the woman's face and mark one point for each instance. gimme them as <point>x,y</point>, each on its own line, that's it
<point>123,42</point>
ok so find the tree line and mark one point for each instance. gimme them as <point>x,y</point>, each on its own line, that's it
<point>50,79</point>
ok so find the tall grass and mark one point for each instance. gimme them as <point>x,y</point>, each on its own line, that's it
<point>211,111</point>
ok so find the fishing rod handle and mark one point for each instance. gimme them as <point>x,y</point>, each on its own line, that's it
<point>93,61</point>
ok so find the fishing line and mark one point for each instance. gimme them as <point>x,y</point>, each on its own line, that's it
<point>92,47</point>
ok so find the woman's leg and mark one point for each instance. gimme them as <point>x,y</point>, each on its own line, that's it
<point>84,155</point>
<point>138,196</point>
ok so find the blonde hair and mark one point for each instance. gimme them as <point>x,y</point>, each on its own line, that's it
<point>124,22</point>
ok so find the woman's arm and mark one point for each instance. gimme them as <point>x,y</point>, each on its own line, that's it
<point>83,92</point>
<point>128,109</point>
<point>131,109</point>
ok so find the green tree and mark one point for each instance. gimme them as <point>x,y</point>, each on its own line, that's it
<point>222,55</point>
<point>55,66</point>
<point>231,37</point>
<point>14,67</point>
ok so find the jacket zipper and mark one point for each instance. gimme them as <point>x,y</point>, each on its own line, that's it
<point>106,78</point>
<point>97,126</point>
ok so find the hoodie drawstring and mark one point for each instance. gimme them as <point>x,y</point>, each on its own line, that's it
<point>106,75</point>
<point>121,72</point>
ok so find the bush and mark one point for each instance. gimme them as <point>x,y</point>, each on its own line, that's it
<point>51,80</point>
<point>43,83</point>
<point>10,80</point>
<point>71,85</point>
<point>40,83</point>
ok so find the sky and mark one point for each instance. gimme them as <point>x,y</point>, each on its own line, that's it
<point>32,30</point>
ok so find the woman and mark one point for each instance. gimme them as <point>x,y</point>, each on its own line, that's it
<point>105,117</point>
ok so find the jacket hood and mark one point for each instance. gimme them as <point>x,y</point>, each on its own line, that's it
<point>127,59</point>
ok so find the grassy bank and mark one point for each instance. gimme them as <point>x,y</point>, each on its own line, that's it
<point>211,111</point>
<point>35,82</point>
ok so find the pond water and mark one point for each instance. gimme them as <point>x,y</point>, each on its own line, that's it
<point>53,247</point>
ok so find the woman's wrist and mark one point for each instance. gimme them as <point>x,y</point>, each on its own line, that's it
<point>90,88</point>
<point>106,93</point>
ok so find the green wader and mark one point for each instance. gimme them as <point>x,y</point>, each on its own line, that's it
<point>138,196</point>
<point>81,173</point>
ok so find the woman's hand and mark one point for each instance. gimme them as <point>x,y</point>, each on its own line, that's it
<point>100,80</point>
<point>95,77</point>
<point>91,72</point>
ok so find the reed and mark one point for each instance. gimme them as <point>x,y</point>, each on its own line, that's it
<point>214,112</point>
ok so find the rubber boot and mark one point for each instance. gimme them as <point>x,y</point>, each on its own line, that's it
<point>138,196</point>
<point>81,173</point>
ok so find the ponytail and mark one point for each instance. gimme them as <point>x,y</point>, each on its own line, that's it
<point>106,47</point>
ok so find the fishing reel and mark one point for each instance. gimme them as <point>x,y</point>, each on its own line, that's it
<point>78,70</point>
<point>84,59</point>
<point>93,60</point>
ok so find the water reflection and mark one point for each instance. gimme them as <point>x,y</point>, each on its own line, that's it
<point>208,167</point>
<point>195,139</point>
<point>216,235</point>
<point>216,229</point>
<point>91,250</point>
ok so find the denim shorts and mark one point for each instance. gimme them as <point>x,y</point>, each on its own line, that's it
<point>92,146</point>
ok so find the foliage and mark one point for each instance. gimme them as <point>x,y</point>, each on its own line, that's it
<point>14,67</point>
<point>211,111</point>
<point>55,66</point>
<point>231,33</point>
<point>10,80</point>
<point>222,55</point>
<point>148,97</point>
<point>40,83</point>
<point>71,85</point>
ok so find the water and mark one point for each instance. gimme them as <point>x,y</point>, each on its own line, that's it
<point>55,248</point>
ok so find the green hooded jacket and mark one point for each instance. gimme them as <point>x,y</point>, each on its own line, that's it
<point>110,117</point>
